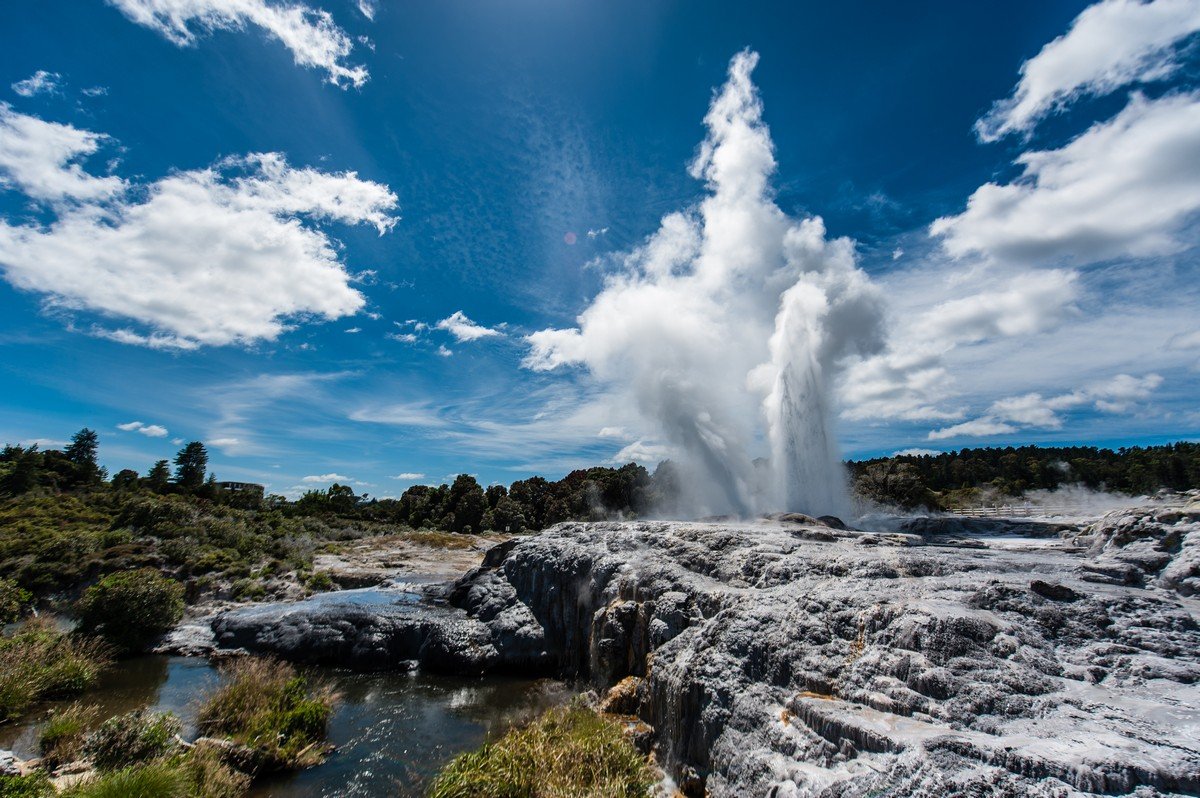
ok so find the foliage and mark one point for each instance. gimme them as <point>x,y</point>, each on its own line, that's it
<point>570,751</point>
<point>13,600</point>
<point>1013,470</point>
<point>209,777</point>
<point>34,785</point>
<point>133,738</point>
<point>131,609</point>
<point>63,737</point>
<point>37,662</point>
<point>265,705</point>
<point>155,780</point>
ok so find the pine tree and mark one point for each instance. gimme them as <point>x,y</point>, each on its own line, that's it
<point>190,466</point>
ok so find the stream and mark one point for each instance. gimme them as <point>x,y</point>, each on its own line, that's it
<point>393,731</point>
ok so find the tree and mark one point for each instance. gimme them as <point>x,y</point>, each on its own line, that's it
<point>131,609</point>
<point>190,466</point>
<point>507,517</point>
<point>82,453</point>
<point>125,479</point>
<point>158,477</point>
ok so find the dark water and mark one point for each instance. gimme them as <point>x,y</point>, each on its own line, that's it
<point>393,731</point>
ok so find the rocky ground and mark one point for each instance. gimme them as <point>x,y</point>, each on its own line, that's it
<point>792,658</point>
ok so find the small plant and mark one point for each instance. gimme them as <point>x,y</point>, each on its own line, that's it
<point>13,600</point>
<point>209,776</point>
<point>265,705</point>
<point>133,738</point>
<point>570,751</point>
<point>320,582</point>
<point>131,609</point>
<point>62,738</point>
<point>37,662</point>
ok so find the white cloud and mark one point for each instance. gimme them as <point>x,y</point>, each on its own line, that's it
<point>463,329</point>
<point>1184,341</point>
<point>1123,188</point>
<point>225,255</point>
<point>353,330</point>
<point>643,453</point>
<point>917,452</point>
<point>408,476</point>
<point>1110,44</point>
<point>38,158</point>
<point>444,352</point>
<point>37,83</point>
<point>368,8</point>
<point>327,478</point>
<point>972,429</point>
<point>910,379</point>
<point>309,33</point>
<point>149,430</point>
<point>612,432</point>
<point>1115,395</point>
<point>597,233</point>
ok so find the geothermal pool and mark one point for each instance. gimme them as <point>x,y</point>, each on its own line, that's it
<point>393,731</point>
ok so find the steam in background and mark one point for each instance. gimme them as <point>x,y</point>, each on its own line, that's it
<point>726,328</point>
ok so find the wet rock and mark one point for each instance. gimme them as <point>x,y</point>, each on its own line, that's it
<point>1054,592</point>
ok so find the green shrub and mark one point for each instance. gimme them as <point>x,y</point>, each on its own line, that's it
<point>320,582</point>
<point>570,751</point>
<point>35,785</point>
<point>131,609</point>
<point>264,705</point>
<point>209,777</point>
<point>157,780</point>
<point>13,600</point>
<point>37,661</point>
<point>62,738</point>
<point>133,738</point>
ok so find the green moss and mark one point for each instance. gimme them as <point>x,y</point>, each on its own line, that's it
<point>571,751</point>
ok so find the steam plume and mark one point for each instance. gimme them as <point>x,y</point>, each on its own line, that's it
<point>728,324</point>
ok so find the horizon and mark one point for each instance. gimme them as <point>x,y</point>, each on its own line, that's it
<point>401,209</point>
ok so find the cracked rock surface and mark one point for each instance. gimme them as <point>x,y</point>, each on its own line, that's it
<point>789,658</point>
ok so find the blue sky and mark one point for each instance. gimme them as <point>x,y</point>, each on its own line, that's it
<point>438,181</point>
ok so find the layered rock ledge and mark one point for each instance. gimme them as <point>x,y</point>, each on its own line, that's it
<point>791,658</point>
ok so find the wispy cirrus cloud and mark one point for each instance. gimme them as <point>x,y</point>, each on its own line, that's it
<point>311,35</point>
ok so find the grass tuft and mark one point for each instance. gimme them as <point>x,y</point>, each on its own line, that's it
<point>37,662</point>
<point>62,738</point>
<point>265,705</point>
<point>570,752</point>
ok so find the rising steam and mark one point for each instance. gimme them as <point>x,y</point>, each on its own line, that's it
<point>728,325</point>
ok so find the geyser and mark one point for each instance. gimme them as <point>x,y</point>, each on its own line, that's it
<point>728,325</point>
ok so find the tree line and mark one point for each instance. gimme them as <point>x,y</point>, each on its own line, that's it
<point>950,479</point>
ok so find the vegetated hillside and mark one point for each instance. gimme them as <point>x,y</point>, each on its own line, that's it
<point>64,523</point>
<point>954,479</point>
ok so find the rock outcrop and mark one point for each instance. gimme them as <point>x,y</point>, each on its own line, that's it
<point>791,659</point>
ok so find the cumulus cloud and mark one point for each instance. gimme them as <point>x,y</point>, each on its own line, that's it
<point>463,329</point>
<point>1109,45</point>
<point>323,478</point>
<point>1032,410</point>
<point>39,159</point>
<point>38,83</point>
<point>309,33</point>
<point>1122,188</point>
<point>149,430</point>
<point>909,380</point>
<point>408,476</point>
<point>225,255</point>
<point>726,324</point>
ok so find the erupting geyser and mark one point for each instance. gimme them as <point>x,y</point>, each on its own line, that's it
<point>728,325</point>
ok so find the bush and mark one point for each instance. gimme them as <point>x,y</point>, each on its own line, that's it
<point>133,738</point>
<point>37,661</point>
<point>263,704</point>
<point>209,776</point>
<point>62,738</point>
<point>131,609</point>
<point>571,751</point>
<point>13,600</point>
